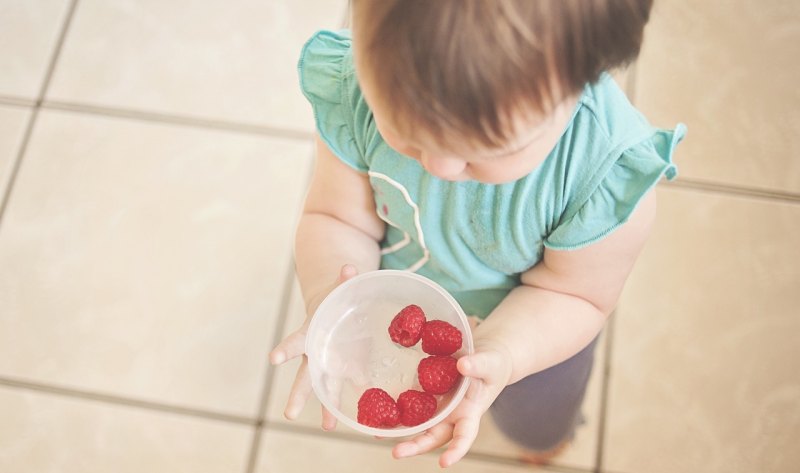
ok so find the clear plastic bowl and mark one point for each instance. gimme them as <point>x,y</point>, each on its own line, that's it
<point>349,349</point>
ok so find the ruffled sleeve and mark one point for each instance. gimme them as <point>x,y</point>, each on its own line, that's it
<point>328,82</point>
<point>618,192</point>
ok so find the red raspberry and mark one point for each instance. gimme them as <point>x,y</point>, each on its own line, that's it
<point>438,374</point>
<point>440,338</point>
<point>376,408</point>
<point>406,326</point>
<point>415,407</point>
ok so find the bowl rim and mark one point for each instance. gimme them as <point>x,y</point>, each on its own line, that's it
<point>396,431</point>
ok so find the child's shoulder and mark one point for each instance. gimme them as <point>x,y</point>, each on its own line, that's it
<point>326,59</point>
<point>330,46</point>
<point>608,159</point>
<point>611,112</point>
<point>327,79</point>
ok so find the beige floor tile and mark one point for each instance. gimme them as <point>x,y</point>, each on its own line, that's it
<point>289,453</point>
<point>729,70</point>
<point>705,358</point>
<point>147,260</point>
<point>217,59</point>
<point>13,121</point>
<point>490,440</point>
<point>28,34</point>
<point>45,433</point>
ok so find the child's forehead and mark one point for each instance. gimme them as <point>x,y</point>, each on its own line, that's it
<point>520,131</point>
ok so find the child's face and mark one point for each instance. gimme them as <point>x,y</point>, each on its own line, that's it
<point>532,139</point>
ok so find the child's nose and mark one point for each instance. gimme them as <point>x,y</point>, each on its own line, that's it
<point>443,167</point>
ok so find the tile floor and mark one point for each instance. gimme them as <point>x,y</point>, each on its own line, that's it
<point>153,156</point>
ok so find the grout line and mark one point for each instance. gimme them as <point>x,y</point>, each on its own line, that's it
<point>26,137</point>
<point>119,400</point>
<point>733,190</point>
<point>277,336</point>
<point>5,197</point>
<point>605,386</point>
<point>51,66</point>
<point>16,101</point>
<point>184,120</point>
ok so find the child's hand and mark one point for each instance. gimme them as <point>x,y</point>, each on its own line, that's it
<point>490,370</point>
<point>293,346</point>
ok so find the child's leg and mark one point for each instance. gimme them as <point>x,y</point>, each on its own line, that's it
<point>541,411</point>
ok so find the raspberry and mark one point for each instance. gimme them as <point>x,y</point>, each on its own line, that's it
<point>415,407</point>
<point>376,408</point>
<point>438,374</point>
<point>440,338</point>
<point>406,326</point>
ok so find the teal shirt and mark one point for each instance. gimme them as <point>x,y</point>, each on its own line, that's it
<point>476,239</point>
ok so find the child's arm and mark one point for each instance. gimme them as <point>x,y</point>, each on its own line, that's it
<point>339,225</point>
<point>564,301</point>
<point>337,236</point>
<point>560,307</point>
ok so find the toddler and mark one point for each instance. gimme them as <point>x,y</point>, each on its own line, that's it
<point>482,144</point>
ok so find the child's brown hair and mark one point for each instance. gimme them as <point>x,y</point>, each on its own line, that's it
<point>465,68</point>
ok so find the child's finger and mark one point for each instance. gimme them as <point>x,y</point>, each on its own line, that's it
<point>290,347</point>
<point>295,344</point>
<point>328,419</point>
<point>431,439</point>
<point>334,390</point>
<point>346,272</point>
<point>301,389</point>
<point>464,434</point>
<point>483,365</point>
